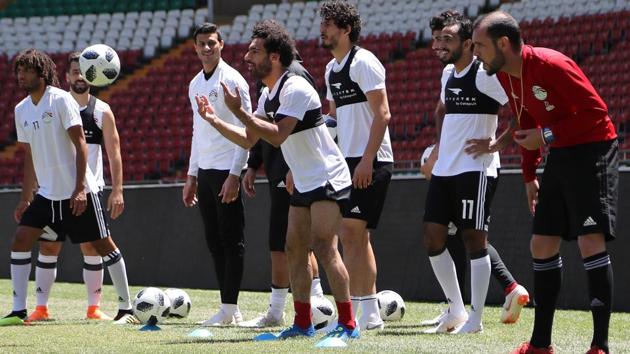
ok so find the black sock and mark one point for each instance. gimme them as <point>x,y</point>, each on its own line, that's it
<point>499,270</point>
<point>547,282</point>
<point>455,246</point>
<point>600,284</point>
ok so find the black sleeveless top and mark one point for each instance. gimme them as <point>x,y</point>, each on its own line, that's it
<point>462,96</point>
<point>343,89</point>
<point>93,134</point>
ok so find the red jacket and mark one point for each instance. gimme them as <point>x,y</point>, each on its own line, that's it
<point>559,96</point>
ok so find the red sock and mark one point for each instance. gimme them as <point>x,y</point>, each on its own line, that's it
<point>302,314</point>
<point>510,287</point>
<point>345,314</point>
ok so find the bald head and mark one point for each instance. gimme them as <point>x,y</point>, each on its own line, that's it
<point>499,24</point>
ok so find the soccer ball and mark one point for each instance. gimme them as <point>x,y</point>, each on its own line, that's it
<point>391,305</point>
<point>180,303</point>
<point>151,305</point>
<point>323,312</point>
<point>99,65</point>
<point>331,124</point>
<point>426,153</point>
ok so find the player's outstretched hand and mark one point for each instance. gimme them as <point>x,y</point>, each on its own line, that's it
<point>78,202</point>
<point>530,139</point>
<point>115,204</point>
<point>362,177</point>
<point>20,209</point>
<point>478,147</point>
<point>248,182</point>
<point>205,109</point>
<point>232,100</point>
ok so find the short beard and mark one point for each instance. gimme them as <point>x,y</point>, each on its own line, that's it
<point>31,87</point>
<point>497,63</point>
<point>455,56</point>
<point>330,46</point>
<point>79,89</point>
<point>261,71</point>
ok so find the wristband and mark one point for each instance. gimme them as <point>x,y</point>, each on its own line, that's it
<point>547,135</point>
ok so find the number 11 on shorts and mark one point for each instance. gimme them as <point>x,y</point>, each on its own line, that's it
<point>467,209</point>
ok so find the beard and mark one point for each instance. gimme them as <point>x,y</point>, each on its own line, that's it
<point>80,86</point>
<point>454,57</point>
<point>30,86</point>
<point>496,64</point>
<point>330,45</point>
<point>260,71</point>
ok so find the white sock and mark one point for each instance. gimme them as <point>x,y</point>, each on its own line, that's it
<point>45,274</point>
<point>229,309</point>
<point>479,280</point>
<point>20,271</point>
<point>369,309</point>
<point>316,287</point>
<point>444,270</point>
<point>356,303</point>
<point>278,301</point>
<point>93,278</point>
<point>117,271</point>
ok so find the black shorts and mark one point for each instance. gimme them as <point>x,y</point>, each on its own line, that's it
<point>326,192</point>
<point>463,199</point>
<point>367,204</point>
<point>56,219</point>
<point>578,191</point>
<point>278,215</point>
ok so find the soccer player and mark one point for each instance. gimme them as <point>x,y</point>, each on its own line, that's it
<point>451,42</point>
<point>557,106</point>
<point>462,185</point>
<point>99,127</point>
<point>276,170</point>
<point>320,174</point>
<point>214,173</point>
<point>355,81</point>
<point>49,128</point>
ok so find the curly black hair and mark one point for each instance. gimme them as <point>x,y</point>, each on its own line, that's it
<point>343,14</point>
<point>453,17</point>
<point>276,40</point>
<point>40,62</point>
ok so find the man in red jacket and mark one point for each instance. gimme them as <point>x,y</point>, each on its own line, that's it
<point>556,105</point>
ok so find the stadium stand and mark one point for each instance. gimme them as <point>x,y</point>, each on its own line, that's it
<point>153,110</point>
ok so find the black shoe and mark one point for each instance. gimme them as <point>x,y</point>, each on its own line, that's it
<point>14,318</point>
<point>19,314</point>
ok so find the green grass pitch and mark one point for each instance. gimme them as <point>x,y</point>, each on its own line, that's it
<point>70,333</point>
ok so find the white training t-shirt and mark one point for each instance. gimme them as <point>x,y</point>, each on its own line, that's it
<point>311,154</point>
<point>95,151</point>
<point>44,127</point>
<point>458,128</point>
<point>210,149</point>
<point>354,121</point>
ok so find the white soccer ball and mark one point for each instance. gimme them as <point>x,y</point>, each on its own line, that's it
<point>331,124</point>
<point>180,303</point>
<point>323,312</point>
<point>391,305</point>
<point>99,65</point>
<point>151,305</point>
<point>425,154</point>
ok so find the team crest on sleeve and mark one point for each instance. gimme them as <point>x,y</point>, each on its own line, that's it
<point>213,95</point>
<point>539,92</point>
<point>47,117</point>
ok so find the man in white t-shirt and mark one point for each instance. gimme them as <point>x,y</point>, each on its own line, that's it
<point>99,127</point>
<point>289,116</point>
<point>464,177</point>
<point>355,82</point>
<point>49,128</point>
<point>214,173</point>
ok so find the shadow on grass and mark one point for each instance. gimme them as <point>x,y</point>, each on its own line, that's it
<point>404,326</point>
<point>207,340</point>
<point>406,333</point>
